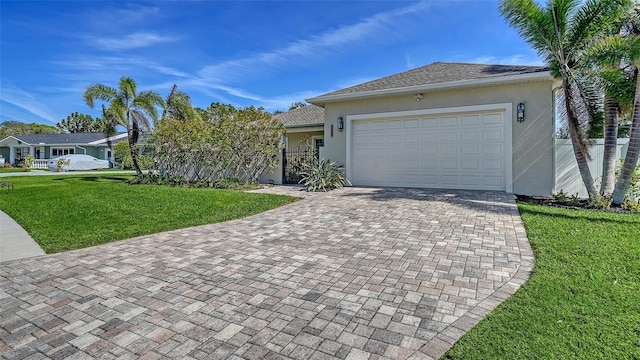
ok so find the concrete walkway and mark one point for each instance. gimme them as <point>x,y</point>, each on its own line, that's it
<point>351,274</point>
<point>15,243</point>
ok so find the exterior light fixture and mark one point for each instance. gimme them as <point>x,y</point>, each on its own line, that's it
<point>419,96</point>
<point>520,113</point>
<point>340,123</point>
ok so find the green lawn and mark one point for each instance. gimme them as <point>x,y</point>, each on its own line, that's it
<point>70,212</point>
<point>582,300</point>
<point>11,170</point>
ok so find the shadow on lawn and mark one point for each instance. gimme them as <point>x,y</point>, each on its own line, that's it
<point>93,178</point>
<point>587,214</point>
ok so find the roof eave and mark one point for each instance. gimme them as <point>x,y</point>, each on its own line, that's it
<point>104,140</point>
<point>303,125</point>
<point>538,76</point>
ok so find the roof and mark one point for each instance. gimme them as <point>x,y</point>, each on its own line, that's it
<point>436,76</point>
<point>308,115</point>
<point>57,139</point>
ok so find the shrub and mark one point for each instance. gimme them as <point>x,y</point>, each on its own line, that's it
<point>218,143</point>
<point>122,157</point>
<point>631,206</point>
<point>322,175</point>
<point>600,202</point>
<point>29,161</point>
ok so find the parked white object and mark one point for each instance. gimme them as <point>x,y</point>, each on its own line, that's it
<point>78,162</point>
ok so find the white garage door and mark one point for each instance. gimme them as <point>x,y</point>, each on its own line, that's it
<point>450,151</point>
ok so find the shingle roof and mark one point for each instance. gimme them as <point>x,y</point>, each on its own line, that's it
<point>305,115</point>
<point>75,138</point>
<point>438,73</point>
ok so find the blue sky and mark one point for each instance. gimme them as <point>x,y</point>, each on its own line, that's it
<point>262,53</point>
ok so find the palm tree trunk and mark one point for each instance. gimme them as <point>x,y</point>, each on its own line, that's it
<point>580,149</point>
<point>612,109</point>
<point>133,146</point>
<point>633,152</point>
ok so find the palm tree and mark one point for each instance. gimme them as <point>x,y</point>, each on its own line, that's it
<point>127,108</point>
<point>560,32</point>
<point>610,52</point>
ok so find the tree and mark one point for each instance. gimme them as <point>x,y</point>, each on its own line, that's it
<point>127,108</point>
<point>8,128</point>
<point>297,105</point>
<point>80,123</point>
<point>611,53</point>
<point>560,33</point>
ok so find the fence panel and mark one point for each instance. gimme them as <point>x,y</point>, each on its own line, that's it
<point>568,177</point>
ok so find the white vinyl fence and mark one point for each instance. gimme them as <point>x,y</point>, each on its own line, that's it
<point>567,174</point>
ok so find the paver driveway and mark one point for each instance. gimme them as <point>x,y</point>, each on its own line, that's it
<point>355,273</point>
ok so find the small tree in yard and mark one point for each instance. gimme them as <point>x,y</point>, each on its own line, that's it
<point>129,108</point>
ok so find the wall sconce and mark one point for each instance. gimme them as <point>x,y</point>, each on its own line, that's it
<point>340,123</point>
<point>520,113</point>
<point>419,96</point>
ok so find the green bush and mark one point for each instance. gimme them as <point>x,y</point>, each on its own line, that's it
<point>631,206</point>
<point>633,193</point>
<point>122,157</point>
<point>322,175</point>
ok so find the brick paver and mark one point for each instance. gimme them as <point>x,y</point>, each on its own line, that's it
<point>356,273</point>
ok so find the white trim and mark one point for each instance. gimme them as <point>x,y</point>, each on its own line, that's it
<point>317,137</point>
<point>507,108</point>
<point>538,76</point>
<point>15,138</point>
<point>115,137</point>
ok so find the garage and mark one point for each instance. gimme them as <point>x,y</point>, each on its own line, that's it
<point>449,149</point>
<point>446,126</point>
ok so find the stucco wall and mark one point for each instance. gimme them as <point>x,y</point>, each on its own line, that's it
<point>298,140</point>
<point>532,140</point>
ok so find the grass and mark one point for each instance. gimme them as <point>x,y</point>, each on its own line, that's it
<point>70,212</point>
<point>11,170</point>
<point>582,300</point>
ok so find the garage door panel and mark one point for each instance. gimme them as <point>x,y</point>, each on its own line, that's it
<point>450,136</point>
<point>460,151</point>
<point>492,119</point>
<point>470,135</point>
<point>447,121</point>
<point>493,135</point>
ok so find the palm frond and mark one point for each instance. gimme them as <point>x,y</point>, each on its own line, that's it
<point>98,92</point>
<point>127,87</point>
<point>594,18</point>
<point>147,102</point>
<point>139,120</point>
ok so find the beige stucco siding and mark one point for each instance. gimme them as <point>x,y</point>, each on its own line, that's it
<point>298,140</point>
<point>532,140</point>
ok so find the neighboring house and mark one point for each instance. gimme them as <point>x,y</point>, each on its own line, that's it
<point>446,125</point>
<point>47,146</point>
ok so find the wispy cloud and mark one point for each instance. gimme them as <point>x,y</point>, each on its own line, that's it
<point>517,59</point>
<point>313,48</point>
<point>131,41</point>
<point>12,95</point>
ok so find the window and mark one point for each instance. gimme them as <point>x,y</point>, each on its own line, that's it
<point>62,151</point>
<point>21,152</point>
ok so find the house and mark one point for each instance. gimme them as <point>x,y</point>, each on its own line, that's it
<point>303,139</point>
<point>445,125</point>
<point>42,147</point>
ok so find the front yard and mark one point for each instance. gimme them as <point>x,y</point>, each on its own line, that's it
<point>582,300</point>
<point>69,212</point>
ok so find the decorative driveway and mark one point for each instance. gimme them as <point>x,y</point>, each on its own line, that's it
<point>356,273</point>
